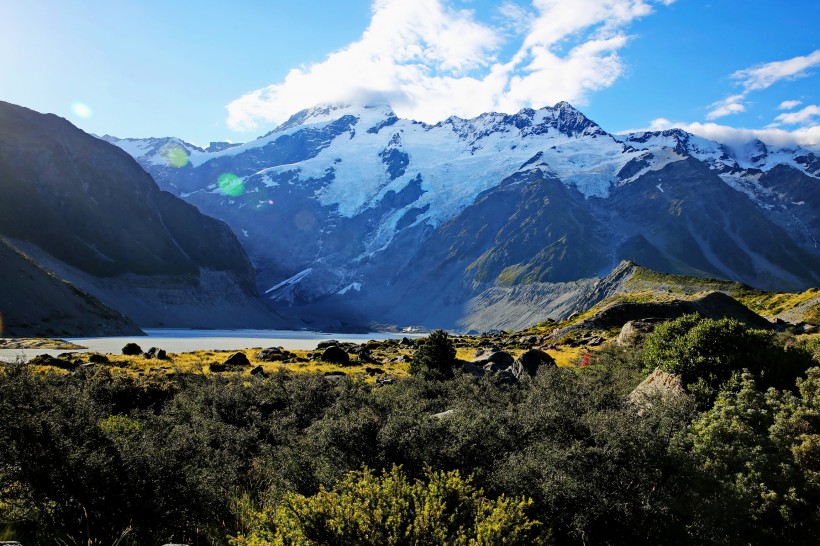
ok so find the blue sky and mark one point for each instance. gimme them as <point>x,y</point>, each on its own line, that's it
<point>215,70</point>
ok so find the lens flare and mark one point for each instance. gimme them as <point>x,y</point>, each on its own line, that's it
<point>82,110</point>
<point>230,184</point>
<point>175,155</point>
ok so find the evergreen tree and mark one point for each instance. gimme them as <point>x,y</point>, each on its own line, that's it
<point>435,358</point>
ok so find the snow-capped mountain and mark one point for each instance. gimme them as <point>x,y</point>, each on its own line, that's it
<point>351,212</point>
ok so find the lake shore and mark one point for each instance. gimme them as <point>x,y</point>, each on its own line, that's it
<point>179,340</point>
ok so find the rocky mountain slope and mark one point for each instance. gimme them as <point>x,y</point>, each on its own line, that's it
<point>88,213</point>
<point>352,215</point>
<point>35,302</point>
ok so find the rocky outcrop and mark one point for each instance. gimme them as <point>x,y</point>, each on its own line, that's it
<point>715,305</point>
<point>658,385</point>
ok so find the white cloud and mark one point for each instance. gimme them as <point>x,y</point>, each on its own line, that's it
<point>730,105</point>
<point>789,104</point>
<point>762,77</point>
<point>805,115</point>
<point>765,75</point>
<point>429,61</point>
<point>804,136</point>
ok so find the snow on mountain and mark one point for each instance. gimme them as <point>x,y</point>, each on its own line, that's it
<point>339,198</point>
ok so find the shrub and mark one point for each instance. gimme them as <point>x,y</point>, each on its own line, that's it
<point>706,352</point>
<point>435,358</point>
<point>390,509</point>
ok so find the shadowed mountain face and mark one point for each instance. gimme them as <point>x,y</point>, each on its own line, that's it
<point>352,215</point>
<point>96,218</point>
<point>35,302</point>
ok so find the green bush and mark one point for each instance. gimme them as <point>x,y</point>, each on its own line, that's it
<point>705,353</point>
<point>435,358</point>
<point>391,510</point>
<point>758,456</point>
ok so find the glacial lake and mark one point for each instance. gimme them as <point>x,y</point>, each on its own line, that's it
<point>181,340</point>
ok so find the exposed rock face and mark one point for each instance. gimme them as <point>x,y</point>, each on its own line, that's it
<point>658,385</point>
<point>86,211</point>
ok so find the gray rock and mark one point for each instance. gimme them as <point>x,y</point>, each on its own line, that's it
<point>530,362</point>
<point>497,360</point>
<point>658,385</point>
<point>273,354</point>
<point>237,359</point>
<point>335,355</point>
<point>634,331</point>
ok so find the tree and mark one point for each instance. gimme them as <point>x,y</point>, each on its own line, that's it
<point>435,358</point>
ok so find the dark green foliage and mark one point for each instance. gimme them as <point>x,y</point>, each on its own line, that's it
<point>94,458</point>
<point>435,358</point>
<point>706,352</point>
<point>758,460</point>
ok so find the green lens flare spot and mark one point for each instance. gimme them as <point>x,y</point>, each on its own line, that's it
<point>176,156</point>
<point>230,184</point>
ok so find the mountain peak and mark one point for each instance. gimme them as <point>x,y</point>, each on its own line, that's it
<point>324,113</point>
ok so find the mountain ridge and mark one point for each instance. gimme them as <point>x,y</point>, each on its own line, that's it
<point>340,206</point>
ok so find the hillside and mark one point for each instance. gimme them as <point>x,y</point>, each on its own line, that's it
<point>88,213</point>
<point>34,301</point>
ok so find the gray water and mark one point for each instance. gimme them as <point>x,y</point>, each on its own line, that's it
<point>182,340</point>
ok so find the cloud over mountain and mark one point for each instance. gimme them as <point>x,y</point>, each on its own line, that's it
<point>430,60</point>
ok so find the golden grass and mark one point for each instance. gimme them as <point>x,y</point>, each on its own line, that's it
<point>198,362</point>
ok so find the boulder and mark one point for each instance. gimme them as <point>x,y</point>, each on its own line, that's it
<point>155,352</point>
<point>659,384</point>
<point>336,355</point>
<point>217,367</point>
<point>48,360</point>
<point>98,359</point>
<point>259,371</point>
<point>274,354</point>
<point>237,359</point>
<point>373,371</point>
<point>529,363</point>
<point>472,369</point>
<point>328,343</point>
<point>131,349</point>
<point>497,360</point>
<point>634,331</point>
